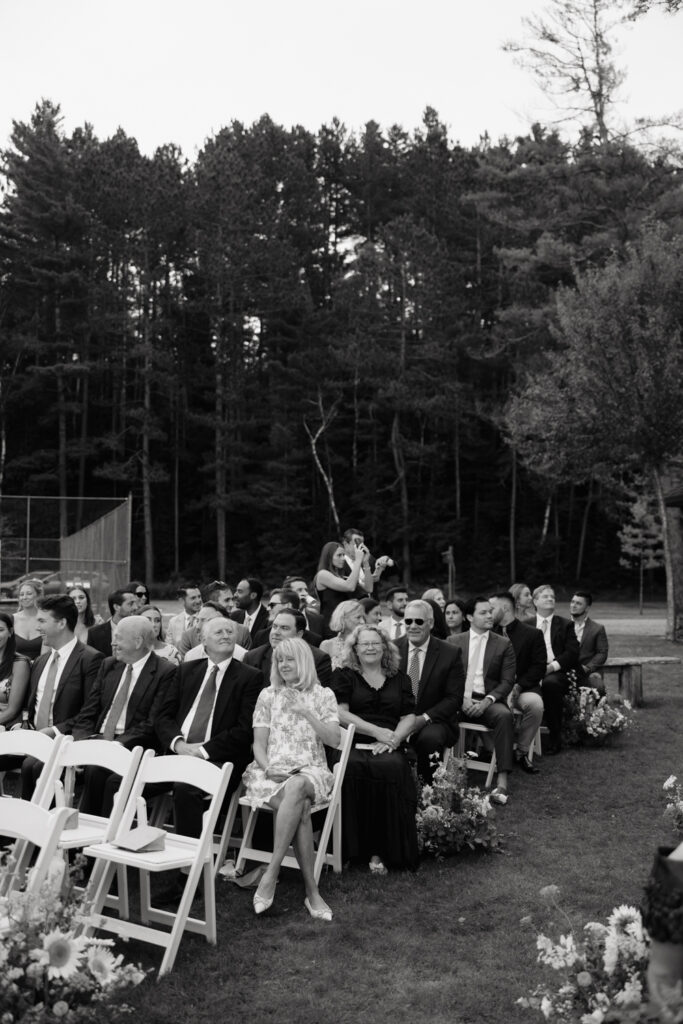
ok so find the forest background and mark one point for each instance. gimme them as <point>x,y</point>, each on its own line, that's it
<point>299,330</point>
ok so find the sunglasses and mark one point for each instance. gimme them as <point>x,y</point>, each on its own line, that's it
<point>141,593</point>
<point>418,622</point>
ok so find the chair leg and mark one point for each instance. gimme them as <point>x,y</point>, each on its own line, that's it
<point>210,903</point>
<point>183,911</point>
<point>492,770</point>
<point>227,831</point>
<point>246,840</point>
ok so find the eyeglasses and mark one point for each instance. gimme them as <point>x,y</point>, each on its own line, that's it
<point>371,643</point>
<point>141,593</point>
<point>418,622</point>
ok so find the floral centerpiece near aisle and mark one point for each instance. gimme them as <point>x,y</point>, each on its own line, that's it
<point>673,812</point>
<point>452,816</point>
<point>591,717</point>
<point>48,972</point>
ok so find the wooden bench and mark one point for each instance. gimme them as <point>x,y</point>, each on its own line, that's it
<point>629,672</point>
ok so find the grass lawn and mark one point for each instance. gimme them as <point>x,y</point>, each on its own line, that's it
<point>445,944</point>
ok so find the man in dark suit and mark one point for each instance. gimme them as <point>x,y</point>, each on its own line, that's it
<point>250,611</point>
<point>288,624</point>
<point>530,661</point>
<point>489,662</point>
<point>122,603</point>
<point>562,654</point>
<point>593,645</point>
<point>278,600</point>
<point>60,680</point>
<point>121,705</point>
<point>438,681</point>
<point>314,620</point>
<point>207,713</point>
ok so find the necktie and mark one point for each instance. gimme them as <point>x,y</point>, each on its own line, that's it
<point>117,705</point>
<point>505,631</point>
<point>397,630</point>
<point>200,722</point>
<point>544,626</point>
<point>414,671</point>
<point>43,714</point>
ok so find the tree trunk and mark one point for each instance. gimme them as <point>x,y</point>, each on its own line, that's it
<point>61,456</point>
<point>146,469</point>
<point>673,555</point>
<point>456,458</point>
<point>546,520</point>
<point>584,529</point>
<point>513,514</point>
<point>399,462</point>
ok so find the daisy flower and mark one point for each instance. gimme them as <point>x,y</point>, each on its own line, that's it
<point>61,953</point>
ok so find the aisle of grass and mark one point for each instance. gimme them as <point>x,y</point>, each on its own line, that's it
<point>446,944</point>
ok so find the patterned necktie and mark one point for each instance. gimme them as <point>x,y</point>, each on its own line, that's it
<point>414,670</point>
<point>43,713</point>
<point>397,631</point>
<point>117,705</point>
<point>544,626</point>
<point>200,723</point>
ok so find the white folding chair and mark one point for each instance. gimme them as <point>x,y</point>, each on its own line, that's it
<point>535,745</point>
<point>28,743</point>
<point>179,852</point>
<point>30,826</point>
<point>473,763</point>
<point>332,825</point>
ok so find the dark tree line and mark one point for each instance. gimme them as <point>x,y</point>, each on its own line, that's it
<point>300,331</point>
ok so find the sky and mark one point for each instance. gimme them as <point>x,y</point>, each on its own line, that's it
<point>167,71</point>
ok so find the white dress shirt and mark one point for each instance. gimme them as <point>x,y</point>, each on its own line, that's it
<point>65,653</point>
<point>198,652</point>
<point>474,681</point>
<point>137,668</point>
<point>189,717</point>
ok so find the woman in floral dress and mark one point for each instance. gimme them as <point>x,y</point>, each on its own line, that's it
<point>293,719</point>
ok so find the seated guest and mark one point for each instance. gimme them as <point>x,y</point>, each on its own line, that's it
<point>141,592</point>
<point>278,600</point>
<point>524,602</point>
<point>345,617</point>
<point>288,625</point>
<point>162,649</point>
<point>207,712</point>
<point>61,680</point>
<point>593,645</point>
<point>562,654</point>
<point>26,633</point>
<point>121,704</point>
<point>434,594</point>
<point>378,796</point>
<point>437,680</point>
<point>372,610</point>
<point>489,663</point>
<point>122,603</point>
<point>14,672</point>
<point>530,662</point>
<point>249,611</point>
<point>454,614</point>
<point>191,640</point>
<point>220,593</point>
<point>396,600</point>
<point>191,598</point>
<point>86,616</point>
<point>307,604</point>
<point>294,717</point>
<point>331,582</point>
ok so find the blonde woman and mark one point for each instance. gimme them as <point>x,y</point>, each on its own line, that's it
<point>294,718</point>
<point>161,647</point>
<point>436,595</point>
<point>29,639</point>
<point>524,602</point>
<point>345,617</point>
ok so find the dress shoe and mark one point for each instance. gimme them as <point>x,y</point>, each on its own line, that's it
<point>262,903</point>
<point>320,915</point>
<point>499,796</point>
<point>377,867</point>
<point>522,761</point>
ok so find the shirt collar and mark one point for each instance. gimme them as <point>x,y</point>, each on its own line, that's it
<point>421,647</point>
<point>66,650</point>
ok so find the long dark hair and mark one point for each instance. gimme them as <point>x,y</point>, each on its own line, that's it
<point>325,560</point>
<point>88,614</point>
<point>439,627</point>
<point>10,648</point>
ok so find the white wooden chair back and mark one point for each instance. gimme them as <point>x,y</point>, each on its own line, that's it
<point>28,743</point>
<point>33,826</point>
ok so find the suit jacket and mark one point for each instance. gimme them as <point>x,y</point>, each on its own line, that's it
<point>263,637</point>
<point>499,662</point>
<point>262,659</point>
<point>99,637</point>
<point>442,683</point>
<point>316,623</point>
<point>388,625</point>
<point>73,689</point>
<point>192,638</point>
<point>563,641</point>
<point>155,679</point>
<point>260,622</point>
<point>594,647</point>
<point>231,728</point>
<point>530,655</point>
<point>175,629</point>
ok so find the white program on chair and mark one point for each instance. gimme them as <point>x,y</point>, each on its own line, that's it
<point>332,825</point>
<point>32,826</point>
<point>473,763</point>
<point>180,852</point>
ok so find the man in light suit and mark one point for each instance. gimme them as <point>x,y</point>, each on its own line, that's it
<point>60,680</point>
<point>489,662</point>
<point>122,603</point>
<point>397,599</point>
<point>207,712</point>
<point>593,645</point>
<point>562,652</point>
<point>122,703</point>
<point>438,680</point>
<point>191,597</point>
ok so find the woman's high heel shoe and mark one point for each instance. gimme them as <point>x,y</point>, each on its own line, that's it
<point>319,915</point>
<point>262,903</point>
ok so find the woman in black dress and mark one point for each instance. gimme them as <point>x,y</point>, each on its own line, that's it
<point>332,583</point>
<point>379,795</point>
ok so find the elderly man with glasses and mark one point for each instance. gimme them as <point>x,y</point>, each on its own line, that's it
<point>438,680</point>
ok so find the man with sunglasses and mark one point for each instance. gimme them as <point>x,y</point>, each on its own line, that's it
<point>437,676</point>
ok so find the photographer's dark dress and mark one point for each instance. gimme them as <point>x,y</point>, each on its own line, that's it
<point>378,796</point>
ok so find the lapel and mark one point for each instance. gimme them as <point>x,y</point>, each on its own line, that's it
<point>36,672</point>
<point>465,648</point>
<point>109,685</point>
<point>431,657</point>
<point>489,651</point>
<point>226,695</point>
<point>143,681</point>
<point>71,663</point>
<point>191,683</point>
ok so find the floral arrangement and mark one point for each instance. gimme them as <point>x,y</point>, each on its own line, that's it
<point>48,971</point>
<point>673,812</point>
<point>593,717</point>
<point>451,816</point>
<point>602,975</point>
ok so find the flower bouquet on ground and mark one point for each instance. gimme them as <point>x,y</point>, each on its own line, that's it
<point>48,971</point>
<point>673,812</point>
<point>452,816</point>
<point>591,717</point>
<point>601,976</point>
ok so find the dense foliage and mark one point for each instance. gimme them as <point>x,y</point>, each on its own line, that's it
<point>301,328</point>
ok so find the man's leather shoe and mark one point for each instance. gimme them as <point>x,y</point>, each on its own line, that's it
<point>522,761</point>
